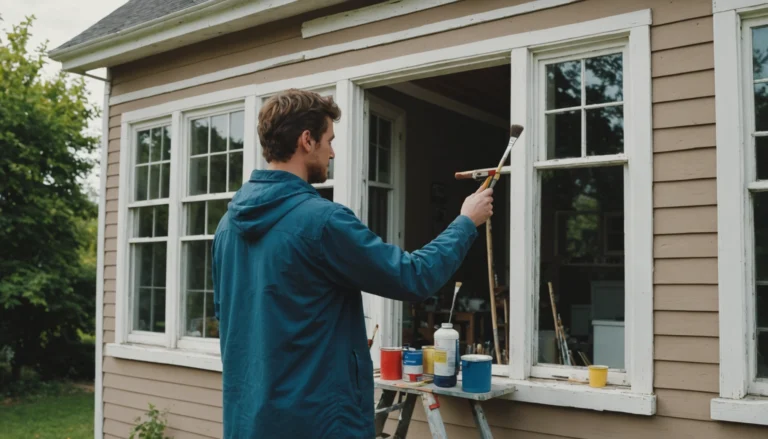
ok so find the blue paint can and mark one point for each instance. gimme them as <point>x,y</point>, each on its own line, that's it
<point>476,373</point>
<point>413,367</point>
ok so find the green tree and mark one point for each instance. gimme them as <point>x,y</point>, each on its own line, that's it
<point>47,273</point>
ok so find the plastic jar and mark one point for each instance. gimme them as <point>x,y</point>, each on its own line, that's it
<point>446,356</point>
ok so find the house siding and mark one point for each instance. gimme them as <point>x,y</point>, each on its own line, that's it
<point>685,220</point>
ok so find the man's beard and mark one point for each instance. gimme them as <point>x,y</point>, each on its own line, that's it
<point>316,173</point>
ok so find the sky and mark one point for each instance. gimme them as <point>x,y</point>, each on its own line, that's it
<point>59,21</point>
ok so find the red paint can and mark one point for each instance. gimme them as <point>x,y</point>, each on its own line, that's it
<point>391,364</point>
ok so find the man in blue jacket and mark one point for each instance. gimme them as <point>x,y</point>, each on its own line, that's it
<point>288,269</point>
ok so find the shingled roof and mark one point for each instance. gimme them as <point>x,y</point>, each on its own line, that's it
<point>131,14</point>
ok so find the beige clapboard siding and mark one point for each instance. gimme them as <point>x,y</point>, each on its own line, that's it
<point>420,429</point>
<point>682,60</point>
<point>161,372</point>
<point>109,310</point>
<point>109,323</point>
<point>681,138</point>
<point>687,349</point>
<point>685,193</point>
<point>109,273</point>
<point>110,244</point>
<point>109,296</point>
<point>680,220</point>
<point>180,392</point>
<point>184,408</point>
<point>699,111</point>
<point>684,404</point>
<point>686,376</point>
<point>188,425</point>
<point>689,271</point>
<point>686,86</point>
<point>683,33</point>
<point>685,165</point>
<point>685,298</point>
<point>703,245</point>
<point>116,429</point>
<point>109,337</point>
<point>685,323</point>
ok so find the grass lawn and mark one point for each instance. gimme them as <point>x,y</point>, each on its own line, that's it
<point>68,415</point>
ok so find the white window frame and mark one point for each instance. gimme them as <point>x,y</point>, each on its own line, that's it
<point>529,156</point>
<point>742,397</point>
<point>350,82</point>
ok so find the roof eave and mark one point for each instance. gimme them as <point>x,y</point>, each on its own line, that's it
<point>197,23</point>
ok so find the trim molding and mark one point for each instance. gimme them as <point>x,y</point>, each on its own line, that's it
<point>98,393</point>
<point>368,14</point>
<point>731,5</point>
<point>204,21</point>
<point>162,355</point>
<point>750,410</point>
<point>418,63</point>
<point>443,101</point>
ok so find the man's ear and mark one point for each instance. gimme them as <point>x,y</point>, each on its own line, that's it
<point>305,141</point>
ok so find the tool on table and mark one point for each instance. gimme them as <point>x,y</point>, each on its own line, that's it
<point>490,182</point>
<point>455,292</point>
<point>562,344</point>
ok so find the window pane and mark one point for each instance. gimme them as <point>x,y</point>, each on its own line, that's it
<point>760,217</point>
<point>384,165</point>
<point>149,287</point>
<point>605,130</point>
<point>219,133</point>
<point>161,220</point>
<point>604,79</point>
<point>198,176</point>
<point>143,222</point>
<point>154,182</point>
<point>761,157</point>
<point>326,193</point>
<point>211,324</point>
<point>235,171</point>
<point>195,308</point>
<point>216,210</point>
<point>372,160</point>
<point>218,173</point>
<point>762,354</point>
<point>564,85</point>
<point>199,136</point>
<point>141,182</point>
<point>208,272</point>
<point>761,107</point>
<point>330,170</point>
<point>385,133</point>
<point>564,135</point>
<point>373,129</point>
<point>142,146</point>
<point>761,291</point>
<point>195,264</point>
<point>378,211</point>
<point>165,180</point>
<point>155,150</point>
<point>196,218</point>
<point>760,52</point>
<point>236,130</point>
<point>166,143</point>
<point>581,254</point>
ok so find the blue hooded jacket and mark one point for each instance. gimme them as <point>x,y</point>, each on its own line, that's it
<point>288,269</point>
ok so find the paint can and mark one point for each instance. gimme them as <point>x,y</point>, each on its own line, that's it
<point>412,365</point>
<point>598,375</point>
<point>476,373</point>
<point>428,355</point>
<point>391,363</point>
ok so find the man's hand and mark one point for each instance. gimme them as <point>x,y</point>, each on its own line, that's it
<point>478,206</point>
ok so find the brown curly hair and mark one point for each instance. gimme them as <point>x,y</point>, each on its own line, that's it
<point>286,115</point>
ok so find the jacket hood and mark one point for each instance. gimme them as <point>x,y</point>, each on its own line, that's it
<point>265,199</point>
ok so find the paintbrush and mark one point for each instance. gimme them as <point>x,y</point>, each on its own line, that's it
<point>514,134</point>
<point>370,341</point>
<point>455,292</point>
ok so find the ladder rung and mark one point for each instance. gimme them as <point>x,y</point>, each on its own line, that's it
<point>389,409</point>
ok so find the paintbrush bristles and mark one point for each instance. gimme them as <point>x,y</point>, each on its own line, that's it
<point>515,130</point>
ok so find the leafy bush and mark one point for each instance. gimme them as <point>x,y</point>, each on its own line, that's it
<point>152,428</point>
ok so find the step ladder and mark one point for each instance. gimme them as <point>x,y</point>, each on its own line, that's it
<point>407,394</point>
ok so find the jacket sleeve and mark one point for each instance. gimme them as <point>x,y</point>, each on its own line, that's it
<point>359,259</point>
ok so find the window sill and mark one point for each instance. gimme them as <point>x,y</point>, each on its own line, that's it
<point>173,357</point>
<point>563,394</point>
<point>749,410</point>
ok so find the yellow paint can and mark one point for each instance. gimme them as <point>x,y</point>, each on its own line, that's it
<point>598,376</point>
<point>429,353</point>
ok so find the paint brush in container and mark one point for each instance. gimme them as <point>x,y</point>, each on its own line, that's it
<point>455,292</point>
<point>373,337</point>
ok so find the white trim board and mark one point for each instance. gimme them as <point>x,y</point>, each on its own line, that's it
<point>442,101</point>
<point>98,392</point>
<point>484,53</point>
<point>194,24</point>
<point>750,410</point>
<point>363,43</point>
<point>161,355</point>
<point>731,5</point>
<point>368,14</point>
